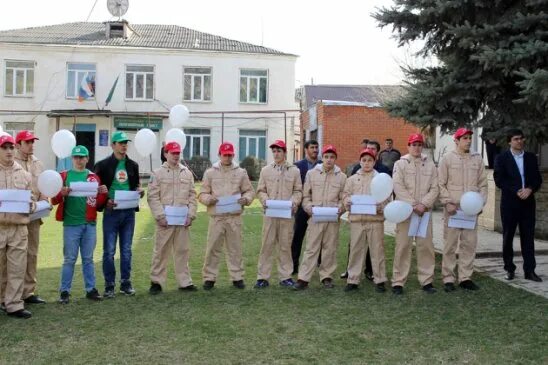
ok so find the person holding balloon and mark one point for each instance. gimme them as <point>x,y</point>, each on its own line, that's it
<point>460,172</point>
<point>415,182</point>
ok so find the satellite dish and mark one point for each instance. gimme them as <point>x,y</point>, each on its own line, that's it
<point>117,7</point>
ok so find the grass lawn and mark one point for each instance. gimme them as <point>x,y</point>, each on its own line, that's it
<point>496,325</point>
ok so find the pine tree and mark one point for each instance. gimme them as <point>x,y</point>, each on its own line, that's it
<point>492,70</point>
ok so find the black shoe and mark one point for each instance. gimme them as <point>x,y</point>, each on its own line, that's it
<point>190,287</point>
<point>238,284</point>
<point>532,276</point>
<point>126,288</point>
<point>261,283</point>
<point>109,292</point>
<point>35,299</point>
<point>397,289</point>
<point>2,307</point>
<point>21,313</point>
<point>350,287</point>
<point>300,285</point>
<point>380,288</point>
<point>155,288</point>
<point>449,287</point>
<point>64,298</point>
<point>369,276</point>
<point>93,294</point>
<point>468,285</point>
<point>328,283</point>
<point>510,275</point>
<point>429,288</point>
<point>208,285</point>
<point>344,275</point>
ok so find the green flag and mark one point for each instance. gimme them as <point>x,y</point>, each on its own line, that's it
<point>111,92</point>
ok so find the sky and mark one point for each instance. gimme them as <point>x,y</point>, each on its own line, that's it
<point>337,42</point>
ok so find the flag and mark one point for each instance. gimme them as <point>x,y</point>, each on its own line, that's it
<point>111,92</point>
<point>87,87</point>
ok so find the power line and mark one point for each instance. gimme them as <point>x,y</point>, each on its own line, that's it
<point>91,11</point>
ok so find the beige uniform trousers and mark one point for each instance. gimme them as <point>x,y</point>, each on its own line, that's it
<point>277,232</point>
<point>13,264</point>
<point>464,241</point>
<point>171,241</point>
<point>322,237</point>
<point>426,261</point>
<point>224,230</point>
<point>362,235</point>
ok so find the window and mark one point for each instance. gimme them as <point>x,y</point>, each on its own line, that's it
<point>252,143</point>
<point>139,82</point>
<point>12,128</point>
<point>197,143</point>
<point>197,85</point>
<point>19,78</point>
<point>76,72</point>
<point>253,86</point>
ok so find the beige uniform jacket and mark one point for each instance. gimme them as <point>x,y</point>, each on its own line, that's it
<point>223,181</point>
<point>171,186</point>
<point>280,183</point>
<point>15,177</point>
<point>416,180</point>
<point>360,184</point>
<point>322,189</point>
<point>459,173</point>
<point>33,166</point>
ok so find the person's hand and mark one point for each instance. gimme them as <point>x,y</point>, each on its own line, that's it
<point>162,222</point>
<point>419,209</point>
<point>65,191</point>
<point>111,204</point>
<point>212,201</point>
<point>451,208</point>
<point>348,206</point>
<point>103,189</point>
<point>294,208</point>
<point>308,211</point>
<point>188,222</point>
<point>379,209</point>
<point>262,203</point>
<point>242,201</point>
<point>141,192</point>
<point>524,193</point>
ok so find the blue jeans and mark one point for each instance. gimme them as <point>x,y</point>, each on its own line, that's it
<point>117,224</point>
<point>81,238</point>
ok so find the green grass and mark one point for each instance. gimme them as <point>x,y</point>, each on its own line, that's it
<point>498,324</point>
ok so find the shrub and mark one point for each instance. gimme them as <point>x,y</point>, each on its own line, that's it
<point>253,167</point>
<point>198,165</point>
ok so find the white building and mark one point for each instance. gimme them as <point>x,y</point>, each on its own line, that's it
<point>157,66</point>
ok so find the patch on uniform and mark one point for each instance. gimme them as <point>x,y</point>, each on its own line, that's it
<point>121,176</point>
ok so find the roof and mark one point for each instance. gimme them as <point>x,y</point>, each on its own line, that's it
<point>145,35</point>
<point>373,95</point>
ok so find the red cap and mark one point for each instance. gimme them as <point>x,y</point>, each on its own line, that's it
<point>415,137</point>
<point>172,147</point>
<point>6,138</point>
<point>25,136</point>
<point>461,132</point>
<point>329,148</point>
<point>280,144</point>
<point>368,151</point>
<point>226,148</point>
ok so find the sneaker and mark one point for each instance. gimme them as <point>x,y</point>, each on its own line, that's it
<point>344,275</point>
<point>328,283</point>
<point>429,288</point>
<point>155,288</point>
<point>380,288</point>
<point>21,313</point>
<point>208,284</point>
<point>449,287</point>
<point>190,287</point>
<point>288,283</point>
<point>261,283</point>
<point>300,285</point>
<point>93,294</point>
<point>238,284</point>
<point>126,288</point>
<point>350,287</point>
<point>64,298</point>
<point>468,285</point>
<point>109,292</point>
<point>397,289</point>
<point>34,299</point>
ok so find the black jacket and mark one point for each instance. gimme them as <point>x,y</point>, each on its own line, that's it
<point>302,165</point>
<point>106,168</point>
<point>508,178</point>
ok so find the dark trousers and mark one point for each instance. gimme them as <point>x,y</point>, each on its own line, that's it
<point>299,231</point>
<point>368,266</point>
<point>516,213</point>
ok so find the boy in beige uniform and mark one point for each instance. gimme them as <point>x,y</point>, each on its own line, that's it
<point>171,185</point>
<point>224,178</point>
<point>365,229</point>
<point>278,181</point>
<point>459,172</point>
<point>323,187</point>
<point>415,182</point>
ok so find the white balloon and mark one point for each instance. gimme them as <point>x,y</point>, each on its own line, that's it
<point>178,115</point>
<point>381,187</point>
<point>176,135</point>
<point>62,143</point>
<point>1,129</point>
<point>4,134</point>
<point>397,211</point>
<point>50,183</point>
<point>145,142</point>
<point>471,203</point>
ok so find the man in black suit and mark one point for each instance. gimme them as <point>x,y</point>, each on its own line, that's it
<point>517,175</point>
<point>311,149</point>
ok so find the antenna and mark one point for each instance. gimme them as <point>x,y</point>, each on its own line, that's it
<point>117,7</point>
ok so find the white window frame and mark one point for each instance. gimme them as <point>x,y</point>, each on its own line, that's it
<point>21,126</point>
<point>192,81</point>
<point>190,142</point>
<point>76,83</point>
<point>248,88</point>
<point>144,74</point>
<point>14,81</point>
<point>257,137</point>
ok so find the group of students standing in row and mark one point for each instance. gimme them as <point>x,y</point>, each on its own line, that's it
<point>307,184</point>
